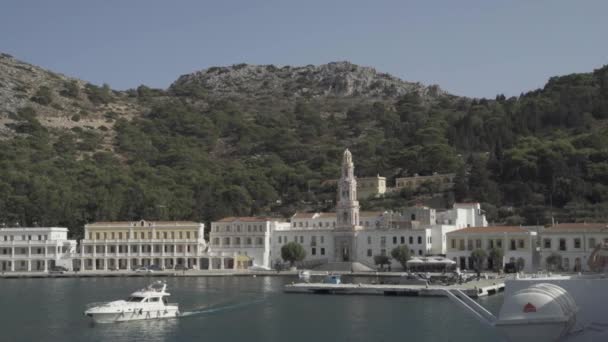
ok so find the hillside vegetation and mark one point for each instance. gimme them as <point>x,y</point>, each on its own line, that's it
<point>249,140</point>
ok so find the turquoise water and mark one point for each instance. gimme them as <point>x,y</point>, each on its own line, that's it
<point>230,309</point>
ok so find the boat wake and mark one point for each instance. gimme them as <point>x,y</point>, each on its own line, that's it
<point>209,310</point>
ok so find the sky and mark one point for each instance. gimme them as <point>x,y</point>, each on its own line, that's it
<point>475,48</point>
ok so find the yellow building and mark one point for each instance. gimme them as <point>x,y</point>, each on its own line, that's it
<point>366,186</point>
<point>127,245</point>
<point>444,181</point>
<point>371,186</point>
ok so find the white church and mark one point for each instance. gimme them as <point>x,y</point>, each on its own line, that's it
<point>348,236</point>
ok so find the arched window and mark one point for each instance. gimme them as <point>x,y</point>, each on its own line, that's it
<point>345,217</point>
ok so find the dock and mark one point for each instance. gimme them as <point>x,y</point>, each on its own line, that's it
<point>474,289</point>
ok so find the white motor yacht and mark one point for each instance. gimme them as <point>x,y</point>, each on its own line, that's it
<point>147,303</point>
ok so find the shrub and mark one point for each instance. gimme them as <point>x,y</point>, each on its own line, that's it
<point>43,96</point>
<point>70,89</point>
<point>98,95</point>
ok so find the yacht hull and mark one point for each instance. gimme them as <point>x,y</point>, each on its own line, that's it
<point>132,315</point>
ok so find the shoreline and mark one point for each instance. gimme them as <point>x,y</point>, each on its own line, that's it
<point>189,273</point>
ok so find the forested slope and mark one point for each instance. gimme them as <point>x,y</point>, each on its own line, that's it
<point>213,145</point>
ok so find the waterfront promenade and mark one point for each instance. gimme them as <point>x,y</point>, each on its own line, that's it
<point>364,283</point>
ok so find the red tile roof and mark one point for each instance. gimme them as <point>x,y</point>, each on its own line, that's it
<point>491,229</point>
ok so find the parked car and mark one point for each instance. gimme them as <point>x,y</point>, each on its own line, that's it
<point>143,269</point>
<point>113,268</point>
<point>181,267</point>
<point>156,268</point>
<point>57,270</point>
<point>258,268</point>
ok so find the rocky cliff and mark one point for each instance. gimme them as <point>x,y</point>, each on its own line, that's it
<point>339,79</point>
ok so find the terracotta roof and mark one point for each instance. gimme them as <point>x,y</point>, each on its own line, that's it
<point>491,229</point>
<point>249,219</point>
<point>577,227</point>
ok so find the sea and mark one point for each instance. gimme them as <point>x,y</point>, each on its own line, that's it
<point>234,308</point>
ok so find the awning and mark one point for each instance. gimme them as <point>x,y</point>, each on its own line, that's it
<point>414,261</point>
<point>242,258</point>
<point>430,261</point>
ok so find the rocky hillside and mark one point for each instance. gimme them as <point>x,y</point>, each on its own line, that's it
<point>57,101</point>
<point>261,140</point>
<point>339,79</point>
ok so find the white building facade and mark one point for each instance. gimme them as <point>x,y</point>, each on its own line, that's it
<point>35,249</point>
<point>573,243</point>
<point>128,245</point>
<point>518,246</point>
<point>247,239</point>
<point>351,235</point>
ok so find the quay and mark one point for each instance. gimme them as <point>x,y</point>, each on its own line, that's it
<point>188,273</point>
<point>474,289</point>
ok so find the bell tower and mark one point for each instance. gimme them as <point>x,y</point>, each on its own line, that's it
<point>347,212</point>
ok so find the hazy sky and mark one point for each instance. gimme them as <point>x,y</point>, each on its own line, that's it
<point>469,47</point>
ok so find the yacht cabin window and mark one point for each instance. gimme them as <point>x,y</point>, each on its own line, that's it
<point>135,299</point>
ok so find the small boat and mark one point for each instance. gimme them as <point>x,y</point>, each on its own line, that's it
<point>147,303</point>
<point>332,279</point>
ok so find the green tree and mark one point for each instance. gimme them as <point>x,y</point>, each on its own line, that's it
<point>478,255</point>
<point>401,254</point>
<point>381,260</point>
<point>496,255</point>
<point>293,252</point>
<point>554,262</point>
